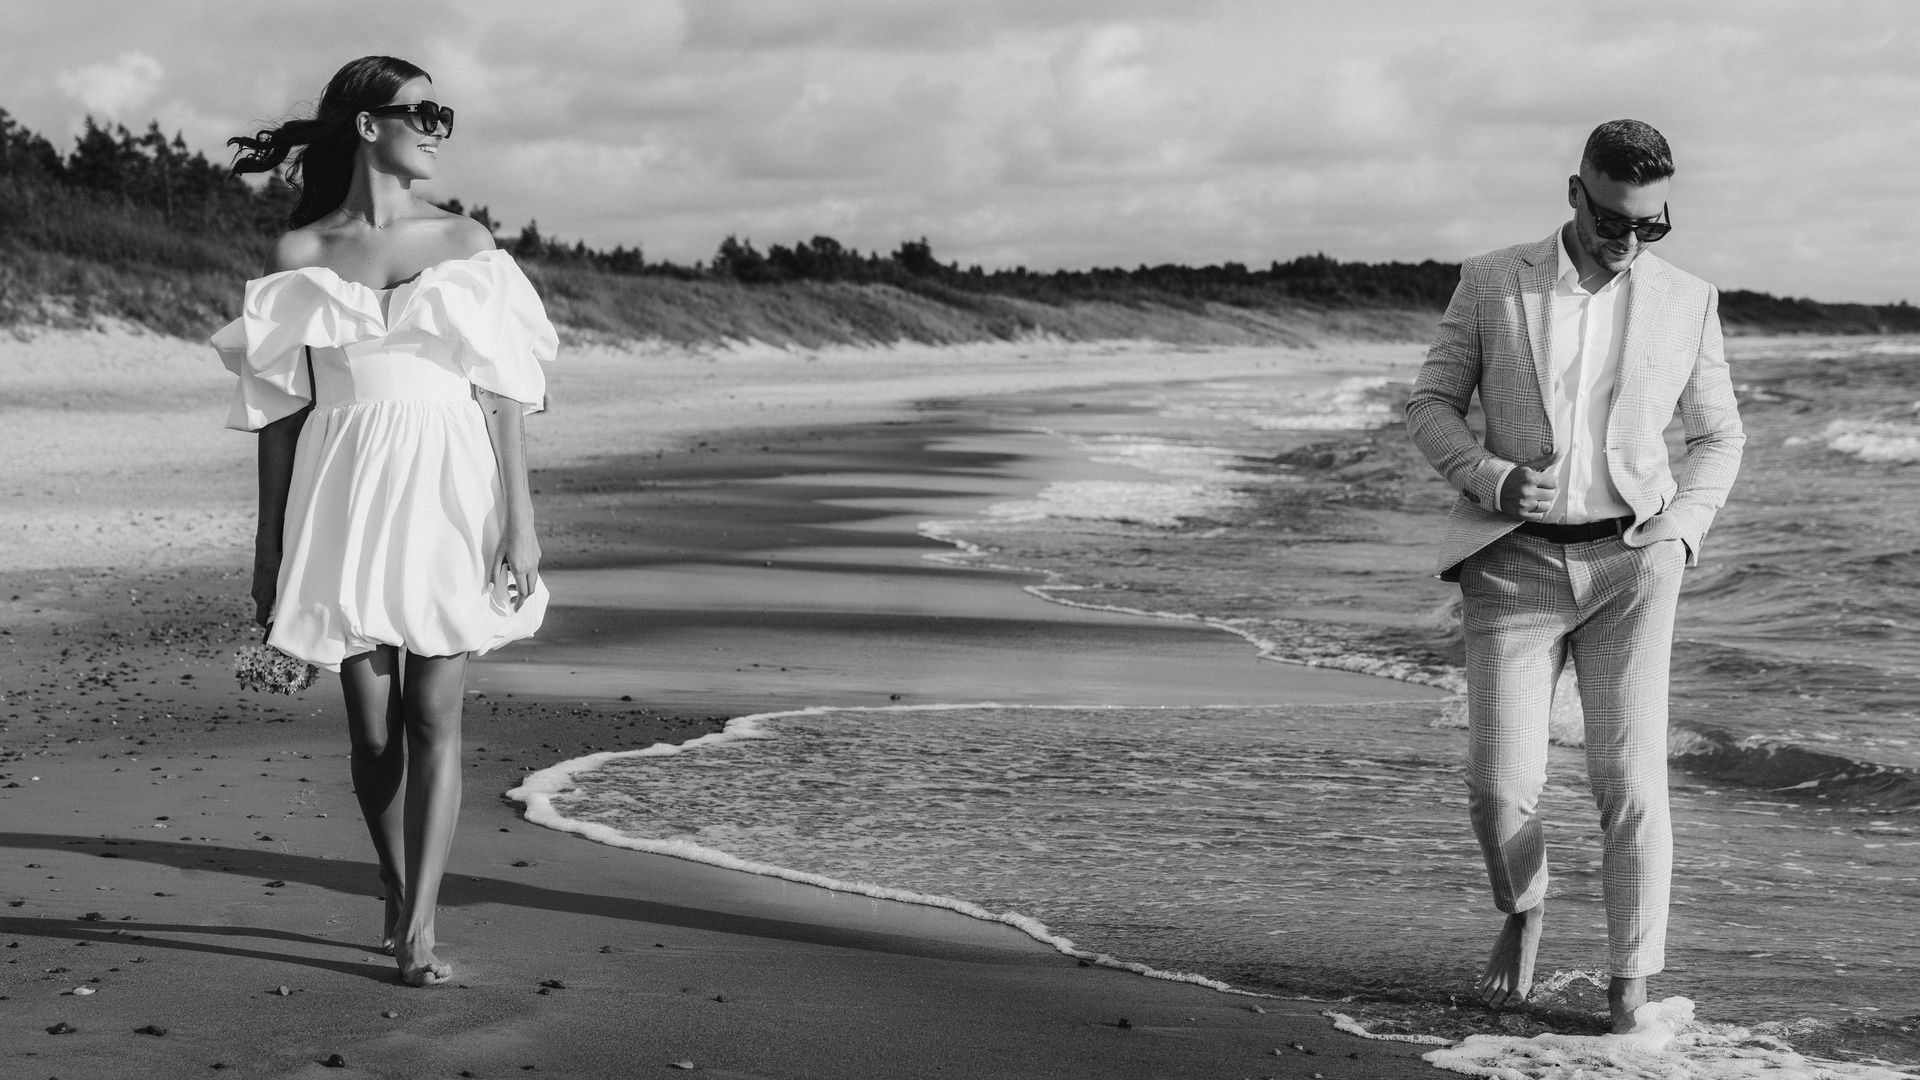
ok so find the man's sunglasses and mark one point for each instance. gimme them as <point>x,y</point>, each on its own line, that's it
<point>1611,226</point>
<point>425,117</point>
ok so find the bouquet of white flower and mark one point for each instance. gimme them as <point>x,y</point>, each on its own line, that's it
<point>268,670</point>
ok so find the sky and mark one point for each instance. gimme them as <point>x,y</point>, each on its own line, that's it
<point>1075,133</point>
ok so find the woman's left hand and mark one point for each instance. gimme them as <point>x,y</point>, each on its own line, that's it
<point>518,560</point>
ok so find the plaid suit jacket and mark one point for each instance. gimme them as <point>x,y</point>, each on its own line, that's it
<point>1495,339</point>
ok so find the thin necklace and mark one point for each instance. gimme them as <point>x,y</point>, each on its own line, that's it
<point>378,224</point>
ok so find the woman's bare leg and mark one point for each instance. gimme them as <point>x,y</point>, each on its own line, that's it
<point>433,691</point>
<point>371,681</point>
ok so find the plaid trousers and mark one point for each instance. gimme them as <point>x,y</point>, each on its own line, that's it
<point>1526,605</point>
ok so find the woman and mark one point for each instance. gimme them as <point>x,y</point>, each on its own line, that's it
<point>387,359</point>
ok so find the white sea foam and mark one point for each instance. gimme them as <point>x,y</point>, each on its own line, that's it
<point>1343,1022</point>
<point>1200,481</point>
<point>1880,441</point>
<point>1138,502</point>
<point>1666,1043</point>
<point>1191,461</point>
<point>1360,403</point>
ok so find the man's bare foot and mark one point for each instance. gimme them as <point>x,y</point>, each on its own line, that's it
<point>418,965</point>
<point>1624,996</point>
<point>1509,975</point>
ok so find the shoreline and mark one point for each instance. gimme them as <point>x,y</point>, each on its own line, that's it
<point>117,701</point>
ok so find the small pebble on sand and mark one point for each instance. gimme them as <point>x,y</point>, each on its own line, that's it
<point>62,1028</point>
<point>281,991</point>
<point>335,1061</point>
<point>681,1064</point>
<point>391,1015</point>
<point>81,991</point>
<point>151,1029</point>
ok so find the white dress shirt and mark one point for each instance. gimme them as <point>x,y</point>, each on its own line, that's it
<point>1588,331</point>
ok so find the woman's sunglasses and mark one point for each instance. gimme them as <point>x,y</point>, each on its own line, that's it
<point>1611,226</point>
<point>425,117</point>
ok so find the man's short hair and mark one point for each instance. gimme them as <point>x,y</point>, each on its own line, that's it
<point>1629,151</point>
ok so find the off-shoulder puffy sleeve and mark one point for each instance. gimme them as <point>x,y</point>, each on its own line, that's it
<point>486,306</point>
<point>281,315</point>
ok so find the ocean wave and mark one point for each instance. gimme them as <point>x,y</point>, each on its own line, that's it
<point>1878,441</point>
<point>1359,403</point>
<point>554,798</point>
<point>1356,404</point>
<point>539,792</point>
<point>1793,770</point>
<point>1187,461</point>
<point>1159,503</point>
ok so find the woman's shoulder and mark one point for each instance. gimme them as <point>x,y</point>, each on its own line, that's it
<point>459,235</point>
<point>296,249</point>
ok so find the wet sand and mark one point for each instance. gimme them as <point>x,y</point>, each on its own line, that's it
<point>186,852</point>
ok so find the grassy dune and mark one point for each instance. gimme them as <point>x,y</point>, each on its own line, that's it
<point>811,314</point>
<point>75,258</point>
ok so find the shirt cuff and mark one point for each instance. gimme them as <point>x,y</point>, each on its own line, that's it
<point>1500,485</point>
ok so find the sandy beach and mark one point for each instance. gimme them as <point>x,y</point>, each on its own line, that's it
<point>190,885</point>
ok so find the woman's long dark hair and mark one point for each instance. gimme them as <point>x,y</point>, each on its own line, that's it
<point>322,148</point>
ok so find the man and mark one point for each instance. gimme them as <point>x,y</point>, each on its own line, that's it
<point>1570,532</point>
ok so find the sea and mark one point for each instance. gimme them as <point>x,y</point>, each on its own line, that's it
<point>1323,851</point>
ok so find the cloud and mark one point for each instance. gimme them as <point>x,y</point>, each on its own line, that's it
<point>118,89</point>
<point>1058,133</point>
<point>909,25</point>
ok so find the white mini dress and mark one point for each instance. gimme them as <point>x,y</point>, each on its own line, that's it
<point>396,507</point>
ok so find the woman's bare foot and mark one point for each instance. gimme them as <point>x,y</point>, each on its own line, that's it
<point>1624,996</point>
<point>1509,975</point>
<point>418,964</point>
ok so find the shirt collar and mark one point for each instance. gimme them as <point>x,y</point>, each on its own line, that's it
<point>1569,280</point>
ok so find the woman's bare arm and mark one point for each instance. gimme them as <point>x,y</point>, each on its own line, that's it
<point>519,552</point>
<point>277,441</point>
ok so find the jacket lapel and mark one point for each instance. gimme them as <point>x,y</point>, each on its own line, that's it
<point>1647,295</point>
<point>1540,267</point>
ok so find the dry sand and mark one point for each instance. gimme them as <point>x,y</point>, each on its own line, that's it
<point>185,852</point>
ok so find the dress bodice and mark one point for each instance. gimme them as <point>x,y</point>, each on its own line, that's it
<point>400,367</point>
<point>458,324</point>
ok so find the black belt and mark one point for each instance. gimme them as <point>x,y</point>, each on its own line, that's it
<point>1582,533</point>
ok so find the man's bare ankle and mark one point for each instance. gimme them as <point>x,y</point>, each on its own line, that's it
<point>1624,997</point>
